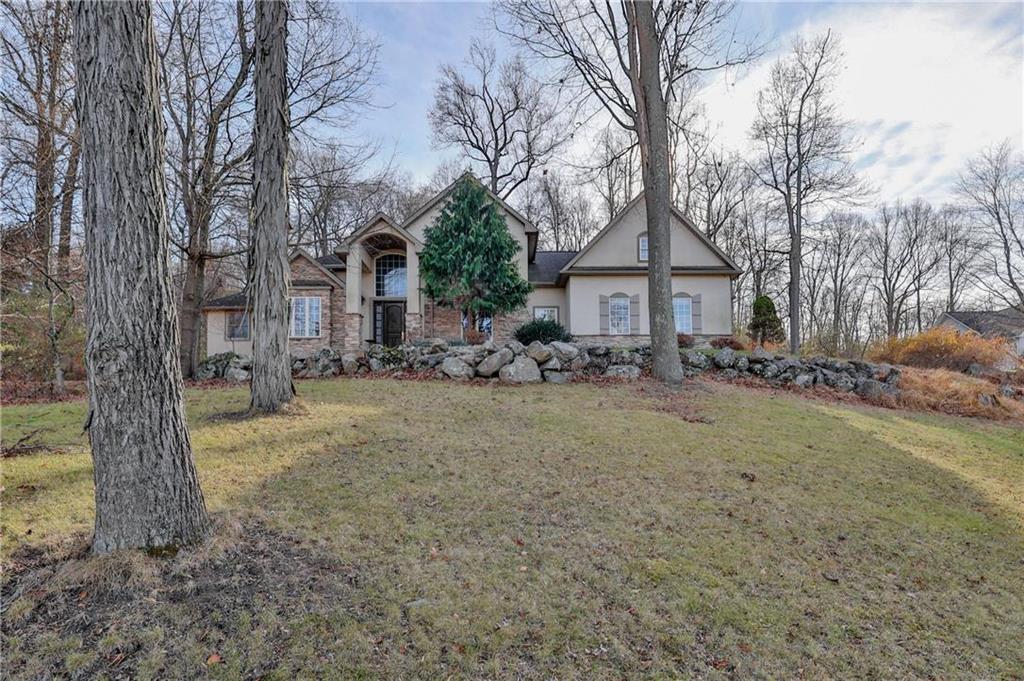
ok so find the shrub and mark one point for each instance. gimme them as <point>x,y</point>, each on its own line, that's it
<point>685,340</point>
<point>543,330</point>
<point>727,342</point>
<point>941,348</point>
<point>765,325</point>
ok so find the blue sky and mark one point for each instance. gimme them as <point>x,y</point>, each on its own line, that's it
<point>925,85</point>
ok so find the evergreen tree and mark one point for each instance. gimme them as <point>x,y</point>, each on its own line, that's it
<point>468,260</point>
<point>765,325</point>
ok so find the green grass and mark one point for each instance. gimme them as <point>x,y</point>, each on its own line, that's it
<point>577,532</point>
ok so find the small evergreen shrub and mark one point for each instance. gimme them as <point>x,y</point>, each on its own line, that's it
<point>685,340</point>
<point>727,342</point>
<point>543,330</point>
<point>765,325</point>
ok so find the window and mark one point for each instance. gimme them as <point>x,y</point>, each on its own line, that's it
<point>390,275</point>
<point>237,327</point>
<point>484,323</point>
<point>550,312</point>
<point>305,317</point>
<point>641,247</point>
<point>682,310</point>
<point>618,315</point>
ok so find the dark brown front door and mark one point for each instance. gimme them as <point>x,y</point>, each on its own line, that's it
<point>394,324</point>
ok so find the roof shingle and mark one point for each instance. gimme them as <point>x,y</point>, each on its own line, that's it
<point>546,265</point>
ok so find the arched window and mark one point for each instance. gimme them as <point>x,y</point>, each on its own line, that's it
<point>682,310</point>
<point>618,314</point>
<point>390,276</point>
<point>641,247</point>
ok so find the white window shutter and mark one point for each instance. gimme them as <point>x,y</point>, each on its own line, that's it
<point>602,311</point>
<point>698,327</point>
<point>634,314</point>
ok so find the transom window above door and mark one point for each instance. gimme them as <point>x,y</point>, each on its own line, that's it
<point>390,276</point>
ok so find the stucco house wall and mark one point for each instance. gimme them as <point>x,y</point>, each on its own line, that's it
<point>584,294</point>
<point>216,340</point>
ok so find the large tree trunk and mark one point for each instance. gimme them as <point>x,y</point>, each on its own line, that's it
<point>147,491</point>
<point>192,298</point>
<point>271,370</point>
<point>652,125</point>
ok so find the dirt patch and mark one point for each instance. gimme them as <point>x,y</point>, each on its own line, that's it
<point>678,402</point>
<point>67,614</point>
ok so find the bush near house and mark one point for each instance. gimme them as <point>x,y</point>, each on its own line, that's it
<point>543,330</point>
<point>941,348</point>
<point>685,340</point>
<point>727,342</point>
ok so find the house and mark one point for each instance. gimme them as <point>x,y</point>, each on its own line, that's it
<point>1007,324</point>
<point>368,291</point>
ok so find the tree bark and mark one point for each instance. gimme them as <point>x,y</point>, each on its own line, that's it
<point>652,128</point>
<point>147,491</point>
<point>271,372</point>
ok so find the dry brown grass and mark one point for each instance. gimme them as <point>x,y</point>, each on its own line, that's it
<point>954,393</point>
<point>941,348</point>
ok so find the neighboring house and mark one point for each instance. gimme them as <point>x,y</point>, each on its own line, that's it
<point>369,290</point>
<point>1007,324</point>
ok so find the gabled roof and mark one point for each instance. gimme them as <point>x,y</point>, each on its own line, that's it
<point>372,222</point>
<point>1008,323</point>
<point>331,261</point>
<point>331,276</point>
<point>728,265</point>
<point>547,264</point>
<point>416,214</point>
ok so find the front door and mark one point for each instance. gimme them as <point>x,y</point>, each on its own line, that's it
<point>394,324</point>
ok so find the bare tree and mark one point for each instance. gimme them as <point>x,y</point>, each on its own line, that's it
<point>719,181</point>
<point>632,60</point>
<point>805,150</point>
<point>961,251</point>
<point>271,367</point>
<point>891,251</point>
<point>207,59</point>
<point>614,170</point>
<point>147,491</point>
<point>919,221</point>
<point>563,215</point>
<point>842,240</point>
<point>992,187</point>
<point>498,116</point>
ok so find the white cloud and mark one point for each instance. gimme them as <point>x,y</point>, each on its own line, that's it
<point>926,86</point>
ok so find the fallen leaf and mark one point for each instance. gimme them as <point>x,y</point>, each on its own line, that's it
<point>214,658</point>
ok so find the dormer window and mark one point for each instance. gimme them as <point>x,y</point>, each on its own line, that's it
<point>641,247</point>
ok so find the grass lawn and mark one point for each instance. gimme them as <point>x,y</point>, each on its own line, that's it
<point>427,530</point>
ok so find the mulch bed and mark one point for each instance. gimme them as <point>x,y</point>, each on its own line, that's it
<point>114,604</point>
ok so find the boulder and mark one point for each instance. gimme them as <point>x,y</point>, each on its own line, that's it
<point>741,364</point>
<point>556,376</point>
<point>376,365</point>
<point>870,388</point>
<point>725,358</point>
<point>770,369</point>
<point>729,374</point>
<point>539,352</point>
<point>760,355</point>
<point>489,346</point>
<point>521,370</point>
<point>208,370</point>
<point>630,371</point>
<point>552,364</point>
<point>598,350</point>
<point>804,380</point>
<point>516,347</point>
<point>838,380</point>
<point>236,374</point>
<point>565,352</point>
<point>697,360</point>
<point>428,361</point>
<point>438,345</point>
<point>492,363</point>
<point>453,367</point>
<point>350,364</point>
<point>580,362</point>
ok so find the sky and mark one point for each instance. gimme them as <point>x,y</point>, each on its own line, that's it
<point>925,85</point>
